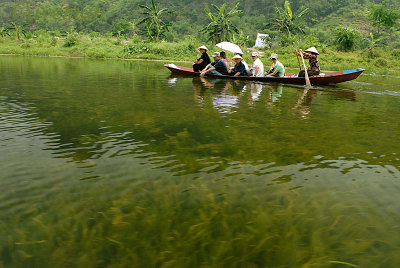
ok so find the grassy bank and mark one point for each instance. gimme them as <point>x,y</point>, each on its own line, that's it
<point>379,61</point>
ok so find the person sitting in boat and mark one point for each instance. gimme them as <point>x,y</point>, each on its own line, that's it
<point>225,59</point>
<point>217,67</point>
<point>258,66</point>
<point>245,65</point>
<point>239,68</point>
<point>200,64</point>
<point>312,55</point>
<point>277,69</point>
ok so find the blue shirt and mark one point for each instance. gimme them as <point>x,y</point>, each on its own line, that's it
<point>239,68</point>
<point>220,66</point>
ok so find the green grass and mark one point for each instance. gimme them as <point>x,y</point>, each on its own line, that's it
<point>381,61</point>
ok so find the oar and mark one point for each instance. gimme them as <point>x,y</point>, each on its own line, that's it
<point>308,83</point>
<point>297,58</point>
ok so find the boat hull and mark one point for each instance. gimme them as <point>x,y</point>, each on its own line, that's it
<point>321,79</point>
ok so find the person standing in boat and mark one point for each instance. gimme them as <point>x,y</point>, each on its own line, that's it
<point>277,68</point>
<point>217,67</point>
<point>258,66</point>
<point>312,55</point>
<point>239,69</point>
<point>200,64</point>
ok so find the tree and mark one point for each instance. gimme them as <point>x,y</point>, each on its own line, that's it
<point>381,15</point>
<point>221,28</point>
<point>155,26</point>
<point>287,22</point>
<point>19,29</point>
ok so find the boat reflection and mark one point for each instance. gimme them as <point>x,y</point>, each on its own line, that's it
<point>226,94</point>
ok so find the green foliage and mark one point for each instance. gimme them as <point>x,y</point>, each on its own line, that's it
<point>136,48</point>
<point>4,31</point>
<point>130,27</point>
<point>155,26</point>
<point>240,39</point>
<point>346,37</point>
<point>18,29</point>
<point>383,15</point>
<point>118,31</point>
<point>221,27</point>
<point>288,23</point>
<point>271,39</point>
<point>71,38</point>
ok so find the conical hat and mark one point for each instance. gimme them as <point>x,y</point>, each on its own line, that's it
<point>203,47</point>
<point>312,50</point>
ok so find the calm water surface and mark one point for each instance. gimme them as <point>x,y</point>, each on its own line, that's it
<point>119,164</point>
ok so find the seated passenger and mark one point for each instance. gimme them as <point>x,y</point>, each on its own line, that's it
<point>200,64</point>
<point>217,67</point>
<point>312,55</point>
<point>245,65</point>
<point>258,66</point>
<point>239,68</point>
<point>277,68</point>
<point>225,59</point>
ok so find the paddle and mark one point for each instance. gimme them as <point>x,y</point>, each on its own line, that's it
<point>308,83</point>
<point>297,54</point>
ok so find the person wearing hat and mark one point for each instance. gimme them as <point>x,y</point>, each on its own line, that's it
<point>245,65</point>
<point>200,64</point>
<point>277,68</point>
<point>217,67</point>
<point>312,55</point>
<point>258,66</point>
<point>239,68</point>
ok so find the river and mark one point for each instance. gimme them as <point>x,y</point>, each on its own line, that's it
<point>108,163</point>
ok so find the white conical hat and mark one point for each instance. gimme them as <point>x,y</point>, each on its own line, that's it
<point>203,47</point>
<point>237,57</point>
<point>312,50</point>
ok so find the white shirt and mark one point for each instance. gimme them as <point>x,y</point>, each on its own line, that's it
<point>245,65</point>
<point>260,65</point>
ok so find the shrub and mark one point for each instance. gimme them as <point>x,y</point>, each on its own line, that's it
<point>381,62</point>
<point>346,37</point>
<point>136,49</point>
<point>71,39</point>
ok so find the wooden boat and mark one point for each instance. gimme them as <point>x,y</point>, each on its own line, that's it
<point>321,79</point>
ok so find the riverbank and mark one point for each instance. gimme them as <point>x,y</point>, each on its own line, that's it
<point>377,61</point>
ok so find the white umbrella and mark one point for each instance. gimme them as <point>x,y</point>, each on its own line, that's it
<point>230,47</point>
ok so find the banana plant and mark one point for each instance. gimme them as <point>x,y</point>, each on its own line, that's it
<point>153,21</point>
<point>131,27</point>
<point>287,22</point>
<point>18,29</point>
<point>4,31</point>
<point>221,28</point>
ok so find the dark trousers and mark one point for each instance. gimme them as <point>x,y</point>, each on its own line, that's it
<point>198,67</point>
<point>310,73</point>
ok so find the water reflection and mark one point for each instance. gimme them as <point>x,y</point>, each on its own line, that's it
<point>307,96</point>
<point>227,94</point>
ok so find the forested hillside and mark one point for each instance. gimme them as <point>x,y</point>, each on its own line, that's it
<point>188,16</point>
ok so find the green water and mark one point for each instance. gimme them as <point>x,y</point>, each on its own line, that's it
<point>118,164</point>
